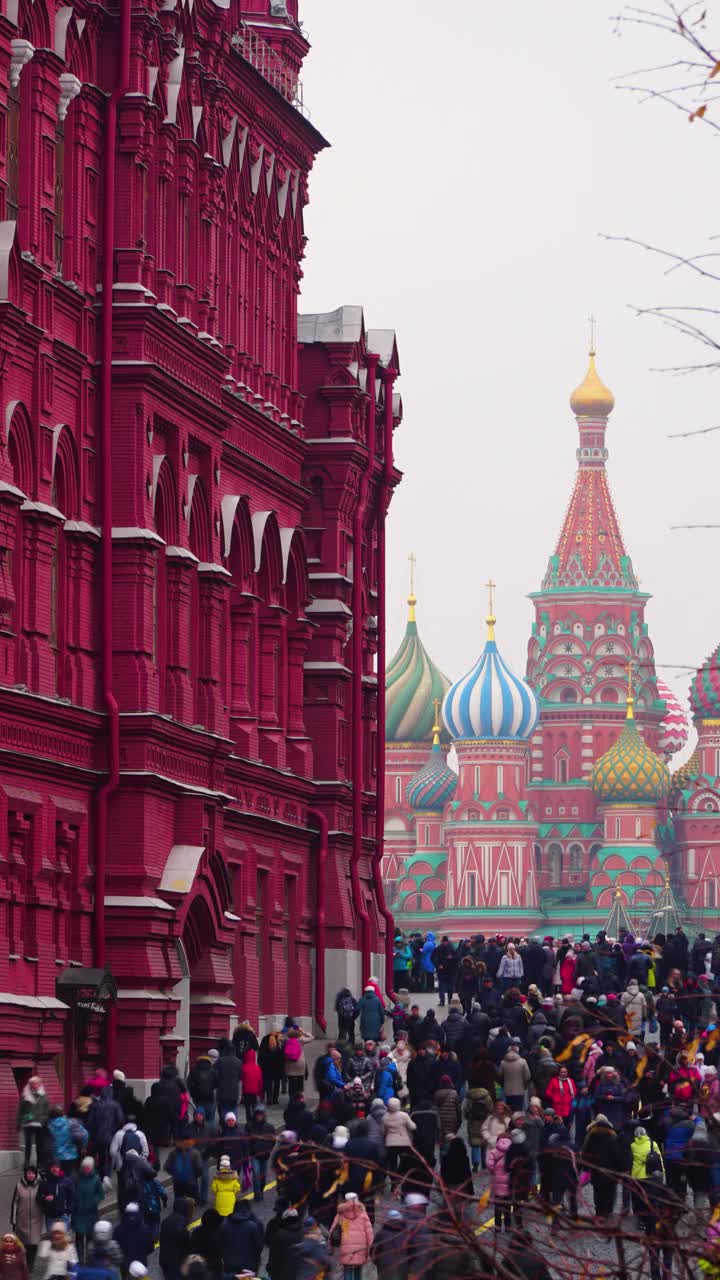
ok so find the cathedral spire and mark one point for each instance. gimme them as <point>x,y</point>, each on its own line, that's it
<point>590,551</point>
<point>412,598</point>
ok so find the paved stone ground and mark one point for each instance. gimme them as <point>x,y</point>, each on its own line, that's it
<point>588,1251</point>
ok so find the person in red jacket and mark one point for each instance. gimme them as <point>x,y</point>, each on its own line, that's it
<point>561,1093</point>
<point>252,1083</point>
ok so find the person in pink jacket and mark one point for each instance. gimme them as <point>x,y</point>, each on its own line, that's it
<point>591,1062</point>
<point>500,1182</point>
<point>356,1236</point>
<point>709,1093</point>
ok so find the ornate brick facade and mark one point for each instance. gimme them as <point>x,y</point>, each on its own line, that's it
<point>192,507</point>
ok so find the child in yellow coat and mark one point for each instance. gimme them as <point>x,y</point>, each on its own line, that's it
<point>225,1188</point>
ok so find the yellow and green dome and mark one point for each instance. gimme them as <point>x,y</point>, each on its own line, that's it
<point>630,772</point>
<point>412,683</point>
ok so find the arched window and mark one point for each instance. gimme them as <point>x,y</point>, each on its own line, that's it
<point>554,861</point>
<point>568,694</point>
<point>538,858</point>
<point>561,767</point>
<point>608,694</point>
<point>575,856</point>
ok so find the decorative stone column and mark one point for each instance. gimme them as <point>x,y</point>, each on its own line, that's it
<point>179,694</point>
<point>215,583</point>
<point>40,538</point>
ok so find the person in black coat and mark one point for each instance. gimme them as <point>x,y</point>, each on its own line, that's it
<point>467,983</point>
<point>455,1030</point>
<point>171,1087</point>
<point>563,1174</point>
<point>272,1064</point>
<point>228,1069</point>
<point>134,1236</point>
<point>284,1234</point>
<point>244,1038</point>
<point>427,1129</point>
<point>104,1119</point>
<point>175,1239</point>
<point>390,1246</point>
<point>515,1017</point>
<point>202,1083</point>
<point>430,1029</point>
<point>498,1045</point>
<point>260,1136</point>
<point>603,1157</point>
<point>533,963</point>
<point>490,1000</point>
<point>363,1158</point>
<point>523,1259</point>
<point>125,1098</point>
<point>243,1236</point>
<point>206,1240</point>
<point>659,1211</point>
<point>455,1168</point>
<point>421,1076</point>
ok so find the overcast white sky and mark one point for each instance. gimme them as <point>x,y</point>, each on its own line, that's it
<point>478,150</point>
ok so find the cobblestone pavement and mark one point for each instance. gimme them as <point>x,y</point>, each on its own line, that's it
<point>592,1247</point>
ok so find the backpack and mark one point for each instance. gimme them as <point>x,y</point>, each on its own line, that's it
<point>151,1199</point>
<point>96,1272</point>
<point>347,1009</point>
<point>478,1111</point>
<point>653,1162</point>
<point>131,1142</point>
<point>293,1048</point>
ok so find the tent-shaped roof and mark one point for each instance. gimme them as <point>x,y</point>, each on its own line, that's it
<point>618,918</point>
<point>665,918</point>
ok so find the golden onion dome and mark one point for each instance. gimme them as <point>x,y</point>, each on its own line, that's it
<point>592,399</point>
<point>687,772</point>
<point>630,772</point>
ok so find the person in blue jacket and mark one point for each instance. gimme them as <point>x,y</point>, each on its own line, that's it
<point>385,1077</point>
<point>427,968</point>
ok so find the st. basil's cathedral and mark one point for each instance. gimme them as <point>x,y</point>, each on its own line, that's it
<point>563,807</point>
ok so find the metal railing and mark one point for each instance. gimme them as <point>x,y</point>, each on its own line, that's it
<point>261,55</point>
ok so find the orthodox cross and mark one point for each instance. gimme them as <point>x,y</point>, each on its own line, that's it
<point>491,587</point>
<point>592,322</point>
<point>629,669</point>
<point>413,562</point>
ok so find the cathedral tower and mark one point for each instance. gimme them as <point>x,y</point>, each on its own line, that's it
<point>589,624</point>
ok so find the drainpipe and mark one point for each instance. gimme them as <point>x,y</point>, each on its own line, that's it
<point>384,494</point>
<point>106,517</point>
<point>358,771</point>
<point>322,857</point>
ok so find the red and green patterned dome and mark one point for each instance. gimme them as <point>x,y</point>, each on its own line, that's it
<point>630,772</point>
<point>434,784</point>
<point>412,683</point>
<point>705,689</point>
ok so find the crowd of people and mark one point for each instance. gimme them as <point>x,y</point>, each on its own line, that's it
<point>563,1071</point>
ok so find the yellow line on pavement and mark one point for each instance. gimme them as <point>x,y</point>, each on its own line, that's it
<point>247,1196</point>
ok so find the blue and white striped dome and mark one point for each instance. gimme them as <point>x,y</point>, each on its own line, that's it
<point>490,702</point>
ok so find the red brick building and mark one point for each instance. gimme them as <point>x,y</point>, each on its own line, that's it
<point>192,507</point>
